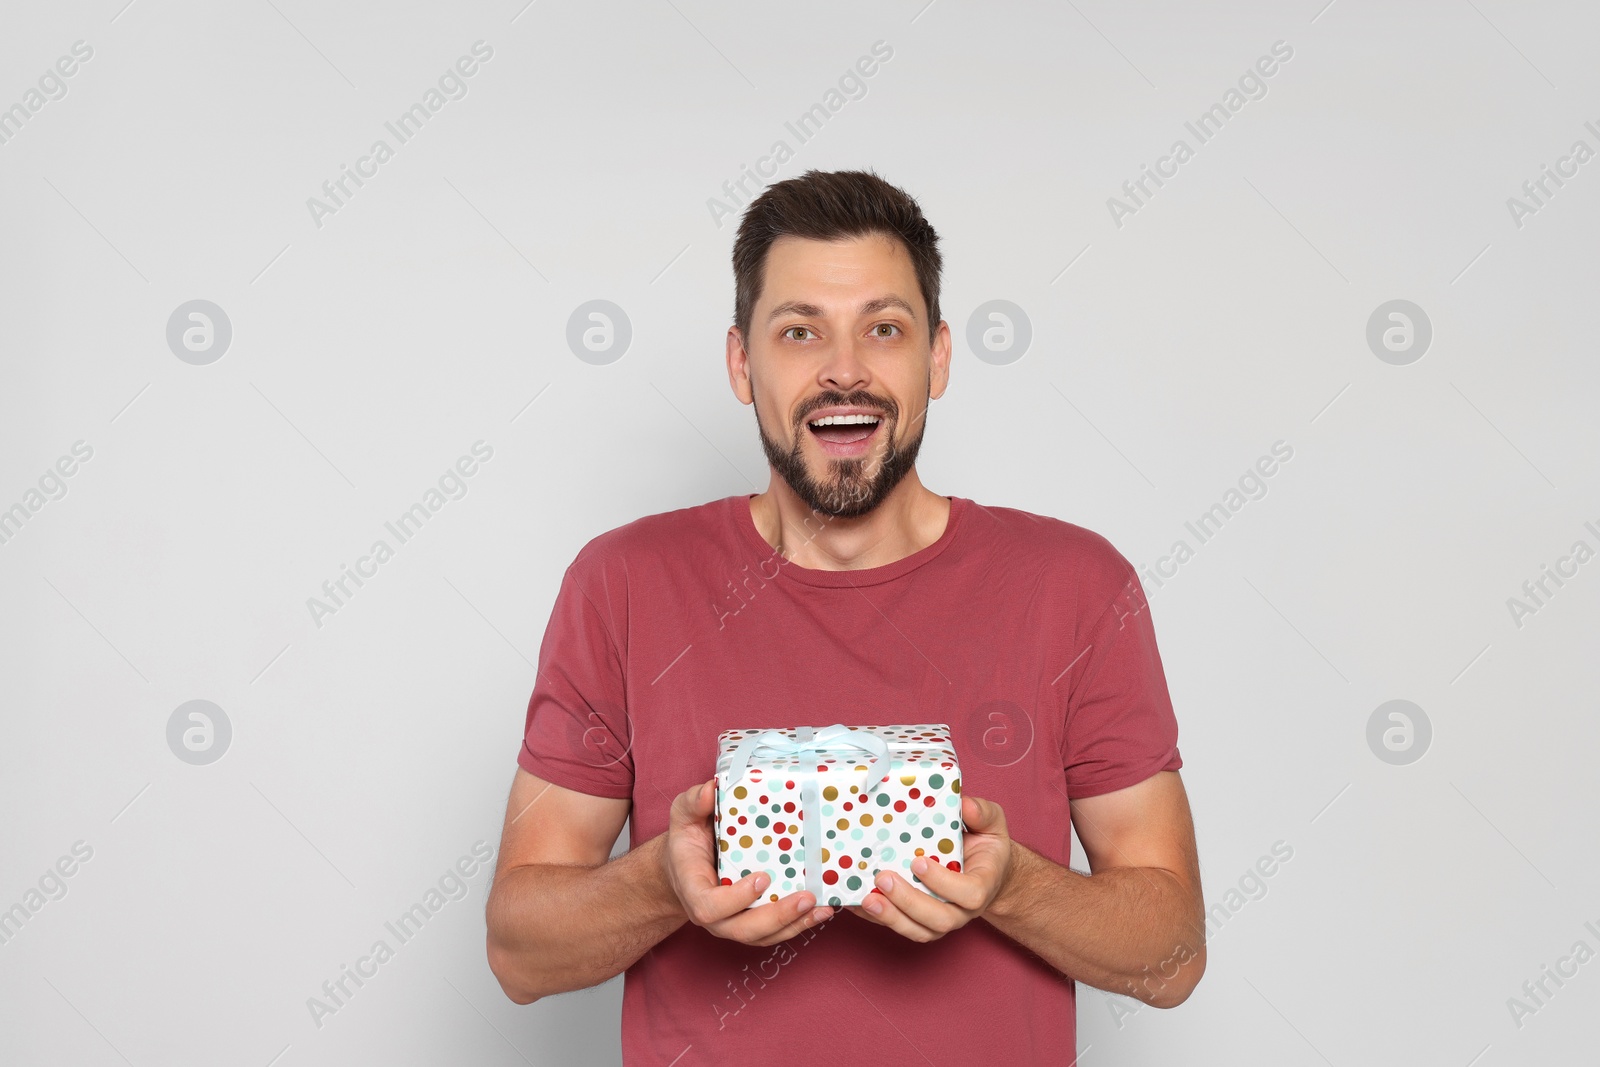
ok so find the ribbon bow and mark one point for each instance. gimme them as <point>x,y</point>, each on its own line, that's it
<point>809,743</point>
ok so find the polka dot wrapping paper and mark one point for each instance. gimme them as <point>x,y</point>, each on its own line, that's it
<point>827,808</point>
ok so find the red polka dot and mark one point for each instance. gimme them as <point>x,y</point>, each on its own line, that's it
<point>764,799</point>
<point>954,865</point>
<point>727,881</point>
<point>742,819</point>
<point>830,876</point>
<point>785,844</point>
<point>847,805</point>
<point>788,785</point>
<point>846,862</point>
<point>927,801</point>
<point>915,792</point>
<point>899,805</point>
<point>733,831</point>
<point>789,806</point>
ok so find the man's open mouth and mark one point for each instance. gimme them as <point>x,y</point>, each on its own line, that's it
<point>845,429</point>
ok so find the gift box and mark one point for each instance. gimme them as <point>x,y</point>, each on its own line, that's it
<point>827,808</point>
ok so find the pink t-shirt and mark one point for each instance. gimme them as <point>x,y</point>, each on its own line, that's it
<point>1029,636</point>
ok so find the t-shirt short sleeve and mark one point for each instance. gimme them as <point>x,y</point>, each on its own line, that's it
<point>1120,726</point>
<point>577,733</point>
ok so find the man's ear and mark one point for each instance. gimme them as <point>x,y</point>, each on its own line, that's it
<point>739,367</point>
<point>939,370</point>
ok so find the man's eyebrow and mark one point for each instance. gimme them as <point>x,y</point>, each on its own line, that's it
<point>882,303</point>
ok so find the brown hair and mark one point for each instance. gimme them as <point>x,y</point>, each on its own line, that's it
<point>829,205</point>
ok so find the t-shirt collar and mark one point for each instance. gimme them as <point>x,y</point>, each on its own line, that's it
<point>739,514</point>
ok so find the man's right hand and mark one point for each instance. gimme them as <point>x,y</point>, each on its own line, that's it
<point>689,863</point>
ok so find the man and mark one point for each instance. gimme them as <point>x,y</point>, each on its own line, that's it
<point>848,592</point>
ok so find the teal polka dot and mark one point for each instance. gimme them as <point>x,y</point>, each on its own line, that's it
<point>927,831</point>
<point>789,871</point>
<point>762,820</point>
<point>886,853</point>
<point>883,800</point>
<point>853,882</point>
<point>762,855</point>
<point>951,801</point>
<point>936,781</point>
<point>855,833</point>
<point>905,837</point>
<point>835,902</point>
<point>883,834</point>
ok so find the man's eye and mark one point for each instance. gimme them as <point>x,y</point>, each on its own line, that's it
<point>885,326</point>
<point>790,332</point>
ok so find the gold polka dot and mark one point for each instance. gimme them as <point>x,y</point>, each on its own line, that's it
<point>866,819</point>
<point>824,855</point>
<point>844,824</point>
<point>740,791</point>
<point>773,897</point>
<point>908,779</point>
<point>888,817</point>
<point>955,786</point>
<point>862,865</point>
<point>919,852</point>
<point>724,844</point>
<point>830,793</point>
<point>766,839</point>
<point>946,845</point>
<point>745,842</point>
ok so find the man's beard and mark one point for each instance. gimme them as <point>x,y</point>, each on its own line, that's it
<point>853,486</point>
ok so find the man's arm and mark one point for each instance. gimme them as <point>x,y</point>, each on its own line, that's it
<point>1136,924</point>
<point>560,916</point>
<point>563,916</point>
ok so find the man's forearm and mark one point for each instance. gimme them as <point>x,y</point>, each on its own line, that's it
<point>555,928</point>
<point>1138,931</point>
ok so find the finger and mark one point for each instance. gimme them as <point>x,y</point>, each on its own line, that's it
<point>966,890</point>
<point>862,912</point>
<point>767,920</point>
<point>891,915</point>
<point>807,919</point>
<point>707,902</point>
<point>917,906</point>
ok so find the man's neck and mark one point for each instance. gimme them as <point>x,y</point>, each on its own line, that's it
<point>911,518</point>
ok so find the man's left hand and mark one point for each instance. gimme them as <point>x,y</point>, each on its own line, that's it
<point>968,893</point>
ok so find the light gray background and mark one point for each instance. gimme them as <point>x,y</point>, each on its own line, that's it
<point>370,753</point>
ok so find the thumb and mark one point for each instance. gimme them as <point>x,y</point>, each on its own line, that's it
<point>983,816</point>
<point>706,798</point>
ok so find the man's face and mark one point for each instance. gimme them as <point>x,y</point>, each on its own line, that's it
<point>840,366</point>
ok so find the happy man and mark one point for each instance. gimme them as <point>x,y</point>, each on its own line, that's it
<point>848,592</point>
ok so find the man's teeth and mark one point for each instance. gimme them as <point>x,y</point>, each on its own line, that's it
<point>845,420</point>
